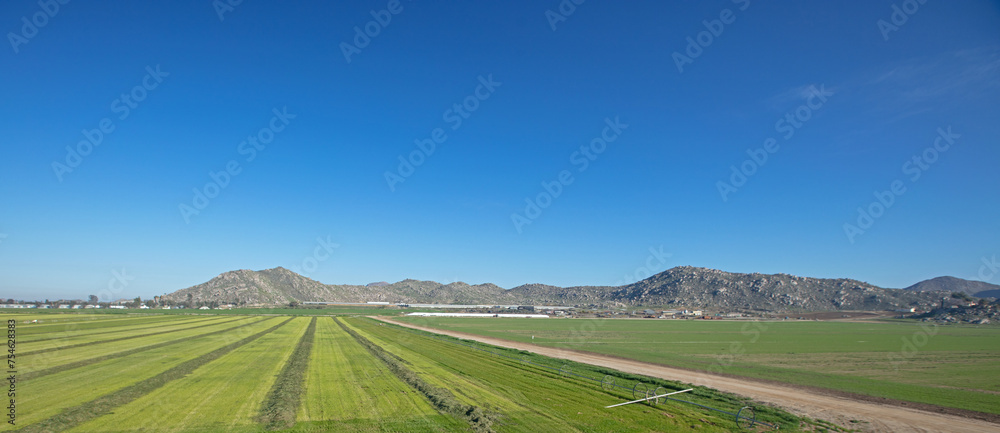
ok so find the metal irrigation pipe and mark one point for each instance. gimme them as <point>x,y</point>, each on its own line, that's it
<point>735,415</point>
<point>648,398</point>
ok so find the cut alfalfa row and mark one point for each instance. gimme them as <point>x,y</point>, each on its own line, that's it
<point>90,361</point>
<point>69,329</point>
<point>47,325</point>
<point>442,399</point>
<point>131,337</point>
<point>103,405</point>
<point>278,410</point>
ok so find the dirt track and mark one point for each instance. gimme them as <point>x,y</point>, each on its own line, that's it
<point>876,417</point>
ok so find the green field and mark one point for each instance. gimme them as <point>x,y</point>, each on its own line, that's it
<point>83,372</point>
<point>953,366</point>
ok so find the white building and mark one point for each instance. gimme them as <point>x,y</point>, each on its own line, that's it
<point>517,316</point>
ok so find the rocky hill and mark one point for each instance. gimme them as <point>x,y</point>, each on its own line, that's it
<point>981,313</point>
<point>977,289</point>
<point>270,286</point>
<point>282,286</point>
<point>687,287</point>
<point>779,292</point>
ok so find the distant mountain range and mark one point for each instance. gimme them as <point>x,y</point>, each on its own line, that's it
<point>977,289</point>
<point>681,287</point>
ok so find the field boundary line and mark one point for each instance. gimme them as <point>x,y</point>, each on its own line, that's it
<point>89,361</point>
<point>74,416</point>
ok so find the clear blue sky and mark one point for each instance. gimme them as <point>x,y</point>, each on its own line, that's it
<point>459,216</point>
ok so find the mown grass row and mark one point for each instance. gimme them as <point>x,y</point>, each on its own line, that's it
<point>32,363</point>
<point>950,366</point>
<point>224,395</point>
<point>535,397</point>
<point>480,420</point>
<point>47,396</point>
<point>72,330</point>
<point>103,405</point>
<point>282,403</point>
<point>56,322</point>
<point>700,395</point>
<point>113,340</point>
<point>348,389</point>
<point>95,360</point>
<point>49,327</point>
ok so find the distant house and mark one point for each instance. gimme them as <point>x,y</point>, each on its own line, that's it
<point>117,307</point>
<point>204,308</point>
<point>144,307</point>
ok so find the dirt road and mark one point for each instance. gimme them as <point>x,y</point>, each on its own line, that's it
<point>875,417</point>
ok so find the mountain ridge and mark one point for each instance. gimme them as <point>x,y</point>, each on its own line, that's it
<point>950,284</point>
<point>682,286</point>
